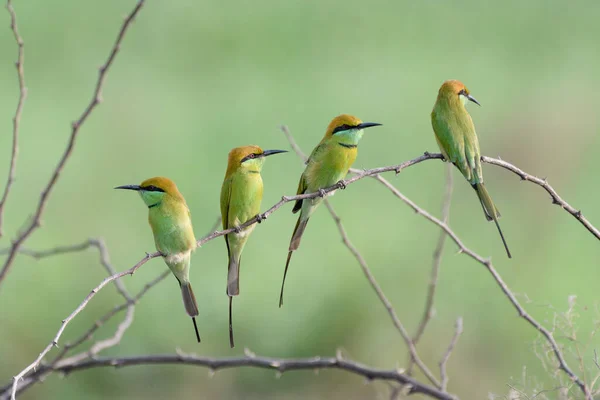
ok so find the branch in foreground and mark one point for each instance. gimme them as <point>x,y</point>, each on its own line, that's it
<point>17,118</point>
<point>279,365</point>
<point>75,127</point>
<point>123,326</point>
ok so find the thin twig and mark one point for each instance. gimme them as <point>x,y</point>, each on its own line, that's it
<point>444,361</point>
<point>75,128</point>
<point>12,170</point>
<point>428,312</point>
<point>556,199</point>
<point>123,326</point>
<point>487,263</point>
<point>65,322</point>
<point>384,300</point>
<point>251,360</point>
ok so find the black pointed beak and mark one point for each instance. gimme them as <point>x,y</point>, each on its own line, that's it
<point>129,187</point>
<point>271,152</point>
<point>471,98</point>
<point>367,125</point>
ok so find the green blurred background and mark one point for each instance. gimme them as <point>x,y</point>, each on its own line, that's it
<point>195,79</point>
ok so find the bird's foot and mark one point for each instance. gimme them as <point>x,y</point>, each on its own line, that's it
<point>260,218</point>
<point>237,229</point>
<point>342,184</point>
<point>322,193</point>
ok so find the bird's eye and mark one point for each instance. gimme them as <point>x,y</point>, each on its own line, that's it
<point>251,155</point>
<point>341,128</point>
<point>463,92</point>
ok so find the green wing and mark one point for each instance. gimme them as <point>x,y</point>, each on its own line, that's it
<point>225,202</point>
<point>301,190</point>
<point>302,183</point>
<point>458,142</point>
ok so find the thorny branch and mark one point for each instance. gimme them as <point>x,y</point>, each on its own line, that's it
<point>17,118</point>
<point>75,128</point>
<point>250,360</point>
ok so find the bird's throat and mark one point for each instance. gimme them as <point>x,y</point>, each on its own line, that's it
<point>349,138</point>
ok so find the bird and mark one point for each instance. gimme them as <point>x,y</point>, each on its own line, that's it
<point>327,165</point>
<point>170,220</point>
<point>241,196</point>
<point>455,135</point>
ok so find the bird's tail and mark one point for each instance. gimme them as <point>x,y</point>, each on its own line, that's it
<point>233,275</point>
<point>231,341</point>
<point>490,210</point>
<point>294,244</point>
<point>189,301</point>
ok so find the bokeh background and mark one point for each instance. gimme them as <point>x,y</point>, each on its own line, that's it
<point>195,79</point>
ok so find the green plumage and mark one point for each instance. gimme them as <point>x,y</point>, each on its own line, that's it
<point>455,134</point>
<point>241,195</point>
<point>328,164</point>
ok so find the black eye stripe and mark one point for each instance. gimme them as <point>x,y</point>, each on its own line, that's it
<point>340,128</point>
<point>463,92</point>
<point>251,156</point>
<point>151,188</point>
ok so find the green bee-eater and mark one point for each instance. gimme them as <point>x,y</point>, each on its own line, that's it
<point>171,225</point>
<point>328,163</point>
<point>241,195</point>
<point>456,136</point>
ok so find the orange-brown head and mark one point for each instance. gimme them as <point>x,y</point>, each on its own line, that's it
<point>454,90</point>
<point>154,189</point>
<point>249,158</point>
<point>346,123</point>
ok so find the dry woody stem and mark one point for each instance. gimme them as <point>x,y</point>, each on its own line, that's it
<point>75,128</point>
<point>12,170</point>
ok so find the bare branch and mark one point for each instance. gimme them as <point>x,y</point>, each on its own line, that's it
<point>444,375</point>
<point>65,322</point>
<point>487,263</point>
<point>293,144</point>
<point>75,127</point>
<point>17,118</point>
<point>556,199</point>
<point>437,261</point>
<point>279,365</point>
<point>384,300</point>
<point>123,326</point>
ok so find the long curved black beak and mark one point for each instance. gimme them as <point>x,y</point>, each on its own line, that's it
<point>129,187</point>
<point>267,153</point>
<point>367,125</point>
<point>471,98</point>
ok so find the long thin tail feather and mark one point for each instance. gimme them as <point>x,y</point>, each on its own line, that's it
<point>191,307</point>
<point>490,210</point>
<point>294,244</point>
<point>196,329</point>
<point>231,342</point>
<point>233,276</point>
<point>297,235</point>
